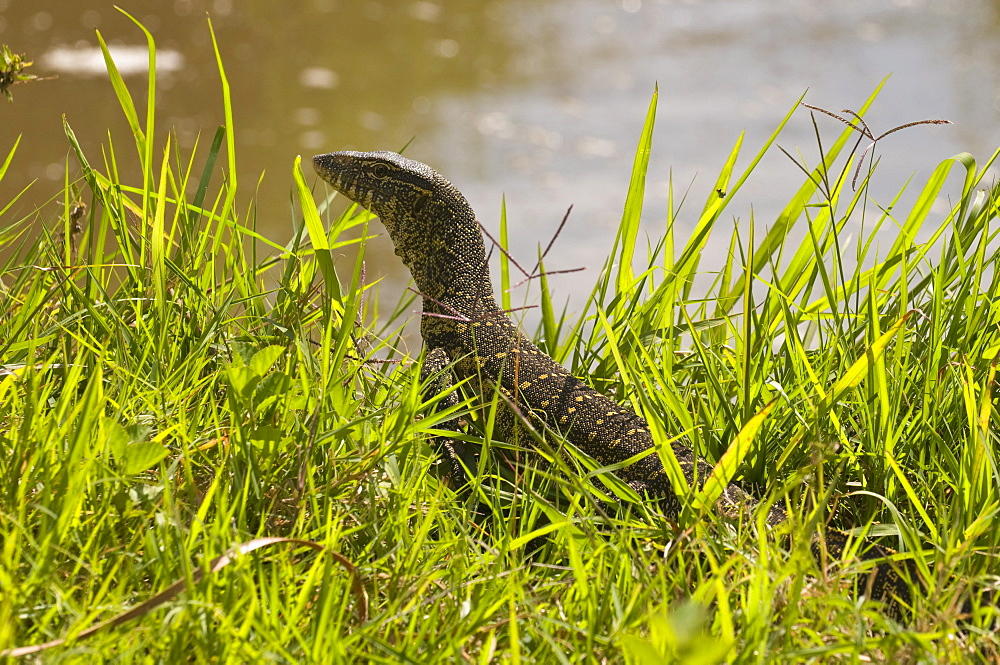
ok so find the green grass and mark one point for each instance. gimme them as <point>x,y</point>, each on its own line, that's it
<point>173,384</point>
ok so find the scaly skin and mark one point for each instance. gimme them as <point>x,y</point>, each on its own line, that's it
<point>435,232</point>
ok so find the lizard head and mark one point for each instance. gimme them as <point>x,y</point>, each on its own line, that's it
<point>391,186</point>
<point>432,226</point>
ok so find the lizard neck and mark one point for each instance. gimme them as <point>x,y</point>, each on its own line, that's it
<point>432,226</point>
<point>441,243</point>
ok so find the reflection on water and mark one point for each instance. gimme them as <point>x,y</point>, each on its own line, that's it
<point>537,100</point>
<point>85,60</point>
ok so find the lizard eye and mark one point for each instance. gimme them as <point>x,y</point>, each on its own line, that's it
<point>380,171</point>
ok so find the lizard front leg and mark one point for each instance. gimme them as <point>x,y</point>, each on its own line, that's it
<point>457,456</point>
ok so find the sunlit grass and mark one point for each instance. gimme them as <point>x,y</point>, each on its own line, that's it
<point>169,390</point>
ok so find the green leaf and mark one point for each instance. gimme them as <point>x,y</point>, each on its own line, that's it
<point>859,370</point>
<point>124,96</point>
<point>731,460</point>
<point>265,438</point>
<point>10,156</point>
<point>227,107</point>
<point>143,456</point>
<point>128,446</point>
<point>243,380</point>
<point>116,438</point>
<point>317,236</point>
<point>629,228</point>
<point>504,260</point>
<point>263,360</point>
<point>271,387</point>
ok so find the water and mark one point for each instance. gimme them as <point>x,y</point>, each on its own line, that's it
<point>538,101</point>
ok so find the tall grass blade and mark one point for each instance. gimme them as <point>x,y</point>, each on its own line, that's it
<point>624,245</point>
<point>227,105</point>
<point>725,470</point>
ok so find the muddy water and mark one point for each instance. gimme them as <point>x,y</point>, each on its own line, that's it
<point>538,100</point>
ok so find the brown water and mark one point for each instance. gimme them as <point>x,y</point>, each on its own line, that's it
<point>538,100</point>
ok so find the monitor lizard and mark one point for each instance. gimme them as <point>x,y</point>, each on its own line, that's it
<point>466,333</point>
